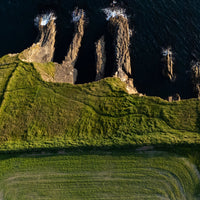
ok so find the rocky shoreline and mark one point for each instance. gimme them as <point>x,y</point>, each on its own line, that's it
<point>43,50</point>
<point>118,27</point>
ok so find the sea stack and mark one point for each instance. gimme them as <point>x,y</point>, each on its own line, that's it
<point>43,50</point>
<point>119,29</point>
<point>196,78</point>
<point>66,72</point>
<point>100,58</point>
<point>168,64</point>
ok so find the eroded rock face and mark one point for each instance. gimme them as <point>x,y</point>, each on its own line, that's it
<point>43,50</point>
<point>119,28</point>
<point>79,20</point>
<point>100,59</point>
<point>66,72</point>
<point>196,77</point>
<point>168,68</point>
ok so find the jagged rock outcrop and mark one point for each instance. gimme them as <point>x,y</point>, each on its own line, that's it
<point>168,68</point>
<point>43,50</point>
<point>196,77</point>
<point>66,72</point>
<point>100,58</point>
<point>175,97</point>
<point>119,28</point>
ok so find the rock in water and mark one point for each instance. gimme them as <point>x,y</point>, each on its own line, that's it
<point>175,97</point>
<point>100,58</point>
<point>119,28</point>
<point>43,50</point>
<point>196,78</point>
<point>66,71</point>
<point>168,70</point>
<point>72,55</point>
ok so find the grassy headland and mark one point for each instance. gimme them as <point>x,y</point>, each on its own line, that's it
<point>39,114</point>
<point>36,115</point>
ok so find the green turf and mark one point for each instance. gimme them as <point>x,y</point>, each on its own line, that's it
<point>38,114</point>
<point>98,175</point>
<point>35,114</point>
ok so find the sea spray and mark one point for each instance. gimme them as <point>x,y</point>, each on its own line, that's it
<point>77,14</point>
<point>114,12</point>
<point>44,19</point>
<point>166,52</point>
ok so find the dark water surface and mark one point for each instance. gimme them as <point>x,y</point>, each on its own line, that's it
<point>157,24</point>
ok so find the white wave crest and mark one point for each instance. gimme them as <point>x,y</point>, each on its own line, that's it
<point>114,12</point>
<point>77,14</point>
<point>44,19</point>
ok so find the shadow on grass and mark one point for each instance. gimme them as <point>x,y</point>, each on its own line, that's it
<point>179,149</point>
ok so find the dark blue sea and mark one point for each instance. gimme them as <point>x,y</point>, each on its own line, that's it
<point>157,24</point>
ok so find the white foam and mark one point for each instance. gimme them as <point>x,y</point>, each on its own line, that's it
<point>114,12</point>
<point>45,19</point>
<point>76,15</point>
<point>166,52</point>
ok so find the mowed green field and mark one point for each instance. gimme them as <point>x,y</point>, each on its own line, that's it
<point>98,175</point>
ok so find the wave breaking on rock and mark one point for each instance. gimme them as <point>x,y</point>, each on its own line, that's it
<point>43,20</point>
<point>43,50</point>
<point>168,64</point>
<point>119,29</point>
<point>113,12</point>
<point>66,71</point>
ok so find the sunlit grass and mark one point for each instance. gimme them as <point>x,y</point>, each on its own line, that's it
<point>36,114</point>
<point>98,175</point>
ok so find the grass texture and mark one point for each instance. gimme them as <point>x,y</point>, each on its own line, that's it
<point>39,114</point>
<point>99,175</point>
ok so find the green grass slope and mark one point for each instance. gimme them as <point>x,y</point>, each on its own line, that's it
<point>107,175</point>
<point>39,114</point>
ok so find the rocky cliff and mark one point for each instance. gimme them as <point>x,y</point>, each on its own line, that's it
<point>100,59</point>
<point>66,72</point>
<point>168,64</point>
<point>43,50</point>
<point>196,77</point>
<point>119,28</point>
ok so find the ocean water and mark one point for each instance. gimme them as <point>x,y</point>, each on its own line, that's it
<point>157,24</point>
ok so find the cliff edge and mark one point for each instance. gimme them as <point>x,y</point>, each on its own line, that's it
<point>66,72</point>
<point>43,50</point>
<point>119,28</point>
